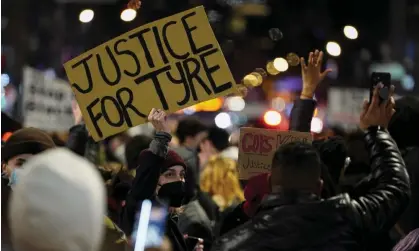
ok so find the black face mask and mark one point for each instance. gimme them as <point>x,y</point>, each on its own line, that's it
<point>174,192</point>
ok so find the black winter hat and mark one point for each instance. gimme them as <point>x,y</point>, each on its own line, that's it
<point>26,140</point>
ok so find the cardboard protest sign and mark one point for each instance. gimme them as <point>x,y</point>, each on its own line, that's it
<point>169,64</point>
<point>257,147</point>
<point>46,102</point>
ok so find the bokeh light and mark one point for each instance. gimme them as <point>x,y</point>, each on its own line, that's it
<point>235,104</point>
<point>272,118</point>
<point>223,120</point>
<point>86,16</point>
<point>270,68</point>
<point>316,125</point>
<point>280,64</point>
<point>333,49</point>
<point>350,32</point>
<point>128,15</point>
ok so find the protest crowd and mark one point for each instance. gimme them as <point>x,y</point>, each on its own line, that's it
<point>204,188</point>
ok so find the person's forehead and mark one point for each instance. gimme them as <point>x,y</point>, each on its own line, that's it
<point>177,168</point>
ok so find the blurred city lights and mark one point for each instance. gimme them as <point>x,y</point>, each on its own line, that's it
<point>278,103</point>
<point>272,118</point>
<point>316,125</point>
<point>350,32</point>
<point>128,15</point>
<point>5,79</point>
<point>280,64</point>
<point>333,49</point>
<point>86,16</point>
<point>6,136</point>
<point>190,110</point>
<point>259,77</point>
<point>270,68</point>
<point>211,105</point>
<point>251,80</point>
<point>236,104</point>
<point>223,120</point>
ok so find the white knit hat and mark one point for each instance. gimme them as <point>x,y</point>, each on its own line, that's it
<point>58,204</point>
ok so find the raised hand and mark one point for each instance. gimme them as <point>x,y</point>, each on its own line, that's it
<point>311,73</point>
<point>78,117</point>
<point>376,114</point>
<point>158,119</point>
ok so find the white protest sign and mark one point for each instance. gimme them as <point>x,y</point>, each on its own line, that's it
<point>344,106</point>
<point>46,101</point>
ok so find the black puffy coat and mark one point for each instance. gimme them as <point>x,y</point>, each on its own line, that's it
<point>305,222</point>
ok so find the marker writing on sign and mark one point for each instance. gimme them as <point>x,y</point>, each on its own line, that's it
<point>255,164</point>
<point>257,143</point>
<point>191,72</point>
<point>284,139</point>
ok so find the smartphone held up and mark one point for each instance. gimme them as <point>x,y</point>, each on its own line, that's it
<point>383,78</point>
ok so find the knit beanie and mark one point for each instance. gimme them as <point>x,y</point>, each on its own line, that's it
<point>26,140</point>
<point>58,203</point>
<point>172,159</point>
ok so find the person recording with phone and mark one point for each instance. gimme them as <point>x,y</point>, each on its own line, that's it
<point>160,177</point>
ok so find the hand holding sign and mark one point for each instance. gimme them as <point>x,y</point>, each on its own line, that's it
<point>312,74</point>
<point>158,119</point>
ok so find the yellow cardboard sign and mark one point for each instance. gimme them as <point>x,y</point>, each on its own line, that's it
<point>257,148</point>
<point>169,64</point>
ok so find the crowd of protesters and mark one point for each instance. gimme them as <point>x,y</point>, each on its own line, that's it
<point>353,191</point>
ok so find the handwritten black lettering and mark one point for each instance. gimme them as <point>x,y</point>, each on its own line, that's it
<point>95,118</point>
<point>166,42</point>
<point>159,45</point>
<point>140,36</point>
<point>188,30</point>
<point>154,77</point>
<point>105,109</point>
<point>127,105</point>
<point>88,75</point>
<point>210,70</point>
<point>193,73</point>
<point>115,64</point>
<point>181,80</point>
<point>119,52</point>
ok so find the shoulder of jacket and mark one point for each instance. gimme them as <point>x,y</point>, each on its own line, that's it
<point>347,206</point>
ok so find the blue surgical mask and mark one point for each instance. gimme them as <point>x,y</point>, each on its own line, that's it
<point>13,178</point>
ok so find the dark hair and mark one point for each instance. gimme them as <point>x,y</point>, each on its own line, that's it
<point>134,147</point>
<point>333,154</point>
<point>403,126</point>
<point>219,138</point>
<point>296,166</point>
<point>189,127</point>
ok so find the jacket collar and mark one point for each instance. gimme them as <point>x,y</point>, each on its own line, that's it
<point>287,198</point>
